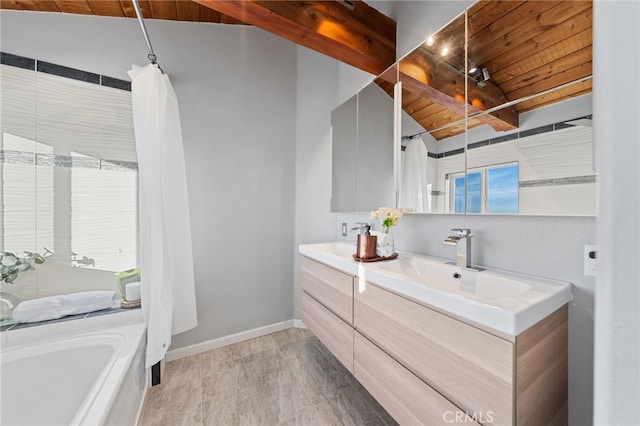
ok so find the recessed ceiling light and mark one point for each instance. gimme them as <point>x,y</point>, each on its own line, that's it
<point>444,51</point>
<point>430,41</point>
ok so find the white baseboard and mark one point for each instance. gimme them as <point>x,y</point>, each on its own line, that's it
<point>178,353</point>
<point>298,324</point>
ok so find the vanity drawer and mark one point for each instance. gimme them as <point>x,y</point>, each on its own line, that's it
<point>334,333</point>
<point>407,398</point>
<point>470,367</point>
<point>332,288</point>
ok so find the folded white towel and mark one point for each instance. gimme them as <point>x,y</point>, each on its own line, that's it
<point>52,307</point>
<point>384,248</point>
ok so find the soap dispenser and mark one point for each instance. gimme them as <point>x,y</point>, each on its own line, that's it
<point>366,248</point>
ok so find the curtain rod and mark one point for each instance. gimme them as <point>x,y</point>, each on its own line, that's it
<point>151,56</point>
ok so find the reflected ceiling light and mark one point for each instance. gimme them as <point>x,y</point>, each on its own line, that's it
<point>444,51</point>
<point>472,67</point>
<point>485,74</point>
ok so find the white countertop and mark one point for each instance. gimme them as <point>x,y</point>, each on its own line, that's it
<point>506,302</point>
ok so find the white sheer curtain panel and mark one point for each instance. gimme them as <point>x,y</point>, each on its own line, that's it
<point>414,194</point>
<point>166,259</point>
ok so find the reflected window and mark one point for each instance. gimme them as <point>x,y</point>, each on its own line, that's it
<point>474,192</point>
<point>502,189</point>
<point>43,193</point>
<point>458,190</point>
<point>490,189</point>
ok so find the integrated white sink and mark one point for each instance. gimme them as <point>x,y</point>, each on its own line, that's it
<point>506,302</point>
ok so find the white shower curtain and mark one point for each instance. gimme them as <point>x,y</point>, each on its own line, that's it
<point>414,194</point>
<point>166,259</point>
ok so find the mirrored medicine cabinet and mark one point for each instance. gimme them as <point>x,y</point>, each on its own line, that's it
<point>495,118</point>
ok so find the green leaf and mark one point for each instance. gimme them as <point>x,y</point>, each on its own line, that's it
<point>11,278</point>
<point>38,259</point>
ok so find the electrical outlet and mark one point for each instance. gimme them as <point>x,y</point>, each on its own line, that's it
<point>344,229</point>
<point>590,260</point>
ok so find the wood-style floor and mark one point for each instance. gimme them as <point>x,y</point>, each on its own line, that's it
<point>284,378</point>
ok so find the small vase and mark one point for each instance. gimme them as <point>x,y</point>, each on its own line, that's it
<point>390,241</point>
<point>387,245</point>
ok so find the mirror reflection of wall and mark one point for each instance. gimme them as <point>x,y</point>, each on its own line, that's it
<point>544,168</point>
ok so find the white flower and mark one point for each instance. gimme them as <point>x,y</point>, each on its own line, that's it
<point>388,217</point>
<point>9,260</point>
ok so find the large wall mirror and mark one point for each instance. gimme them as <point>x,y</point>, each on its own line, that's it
<point>505,118</point>
<point>496,113</point>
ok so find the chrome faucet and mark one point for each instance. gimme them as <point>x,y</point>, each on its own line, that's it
<point>462,241</point>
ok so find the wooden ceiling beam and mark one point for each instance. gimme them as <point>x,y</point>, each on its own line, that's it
<point>362,37</point>
<point>426,75</point>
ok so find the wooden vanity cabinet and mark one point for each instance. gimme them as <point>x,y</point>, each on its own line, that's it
<point>468,366</point>
<point>332,288</point>
<point>426,367</point>
<point>408,399</point>
<point>334,333</point>
<point>327,308</point>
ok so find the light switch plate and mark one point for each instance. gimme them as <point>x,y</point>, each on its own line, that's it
<point>590,260</point>
<point>344,229</point>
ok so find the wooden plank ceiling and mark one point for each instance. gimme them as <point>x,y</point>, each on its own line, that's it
<point>528,47</point>
<point>172,10</point>
<point>358,35</point>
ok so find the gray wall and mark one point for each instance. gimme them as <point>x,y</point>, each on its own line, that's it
<point>317,94</point>
<point>238,108</point>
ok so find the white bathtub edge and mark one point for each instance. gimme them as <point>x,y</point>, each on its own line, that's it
<point>46,332</point>
<point>147,385</point>
<point>220,342</point>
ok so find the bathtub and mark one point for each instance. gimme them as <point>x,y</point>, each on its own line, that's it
<point>83,372</point>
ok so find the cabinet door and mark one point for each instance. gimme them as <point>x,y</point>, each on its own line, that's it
<point>407,398</point>
<point>334,333</point>
<point>344,156</point>
<point>470,367</point>
<point>332,288</point>
<point>375,178</point>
